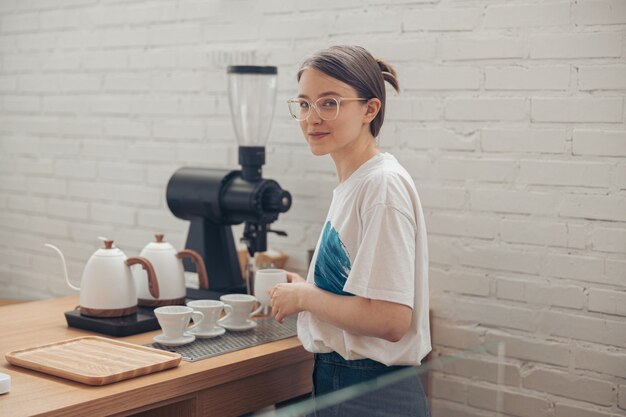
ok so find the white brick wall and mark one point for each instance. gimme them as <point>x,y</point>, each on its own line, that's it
<point>571,386</point>
<point>511,120</point>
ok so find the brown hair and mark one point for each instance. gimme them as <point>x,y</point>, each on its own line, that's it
<point>356,67</point>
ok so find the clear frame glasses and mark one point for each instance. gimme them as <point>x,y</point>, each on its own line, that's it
<point>327,108</point>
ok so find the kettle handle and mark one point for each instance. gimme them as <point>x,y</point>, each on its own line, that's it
<point>153,284</point>
<point>197,259</point>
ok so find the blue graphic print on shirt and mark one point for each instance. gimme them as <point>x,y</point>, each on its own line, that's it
<point>333,263</point>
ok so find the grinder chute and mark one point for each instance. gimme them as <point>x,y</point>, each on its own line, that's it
<point>215,199</point>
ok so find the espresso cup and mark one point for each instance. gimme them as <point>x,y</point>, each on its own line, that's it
<point>264,281</point>
<point>243,306</point>
<point>175,319</point>
<point>211,309</point>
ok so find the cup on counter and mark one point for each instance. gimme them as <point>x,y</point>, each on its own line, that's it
<point>174,321</point>
<point>265,280</point>
<point>212,310</point>
<point>244,306</point>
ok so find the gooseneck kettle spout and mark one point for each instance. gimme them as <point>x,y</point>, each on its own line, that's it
<point>67,278</point>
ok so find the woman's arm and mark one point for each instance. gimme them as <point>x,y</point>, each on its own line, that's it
<point>354,314</point>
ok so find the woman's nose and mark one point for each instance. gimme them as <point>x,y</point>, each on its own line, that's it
<point>314,117</point>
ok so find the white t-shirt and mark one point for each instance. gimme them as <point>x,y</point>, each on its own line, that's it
<point>373,245</point>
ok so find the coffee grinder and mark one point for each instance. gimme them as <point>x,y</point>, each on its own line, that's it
<point>215,199</point>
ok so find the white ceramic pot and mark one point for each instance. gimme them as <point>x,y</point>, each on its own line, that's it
<point>170,274</point>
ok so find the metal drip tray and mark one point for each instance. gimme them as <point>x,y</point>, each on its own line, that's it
<point>267,330</point>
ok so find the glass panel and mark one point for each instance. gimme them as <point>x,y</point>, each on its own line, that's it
<point>456,382</point>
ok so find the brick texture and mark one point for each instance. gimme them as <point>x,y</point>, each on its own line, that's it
<point>511,120</point>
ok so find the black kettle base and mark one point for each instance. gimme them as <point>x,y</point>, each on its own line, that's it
<point>140,322</point>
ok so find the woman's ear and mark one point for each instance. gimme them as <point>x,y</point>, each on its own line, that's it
<point>373,107</point>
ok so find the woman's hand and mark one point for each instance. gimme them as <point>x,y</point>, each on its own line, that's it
<point>286,297</point>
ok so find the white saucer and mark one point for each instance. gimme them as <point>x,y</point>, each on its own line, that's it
<point>187,338</point>
<point>217,331</point>
<point>239,327</point>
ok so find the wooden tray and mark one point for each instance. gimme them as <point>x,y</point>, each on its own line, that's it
<point>94,360</point>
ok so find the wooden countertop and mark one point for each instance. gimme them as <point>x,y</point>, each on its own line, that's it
<point>266,373</point>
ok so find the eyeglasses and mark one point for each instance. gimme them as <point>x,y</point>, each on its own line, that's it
<point>327,108</point>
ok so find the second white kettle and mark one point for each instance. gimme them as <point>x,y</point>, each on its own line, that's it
<point>168,266</point>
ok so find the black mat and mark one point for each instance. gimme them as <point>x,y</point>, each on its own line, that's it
<point>267,330</point>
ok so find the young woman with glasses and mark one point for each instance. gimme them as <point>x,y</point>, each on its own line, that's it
<point>363,308</point>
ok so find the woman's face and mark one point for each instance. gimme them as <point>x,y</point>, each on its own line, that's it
<point>332,136</point>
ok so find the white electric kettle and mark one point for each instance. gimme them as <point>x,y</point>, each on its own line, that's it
<point>107,288</point>
<point>168,266</point>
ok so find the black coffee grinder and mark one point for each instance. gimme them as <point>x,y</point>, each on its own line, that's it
<point>215,199</point>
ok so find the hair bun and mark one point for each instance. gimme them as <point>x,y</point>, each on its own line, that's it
<point>389,74</point>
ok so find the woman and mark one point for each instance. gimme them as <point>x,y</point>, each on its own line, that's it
<point>363,309</point>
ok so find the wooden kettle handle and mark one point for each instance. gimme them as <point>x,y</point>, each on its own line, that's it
<point>197,259</point>
<point>153,284</point>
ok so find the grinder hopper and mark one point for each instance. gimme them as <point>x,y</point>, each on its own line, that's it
<point>215,199</point>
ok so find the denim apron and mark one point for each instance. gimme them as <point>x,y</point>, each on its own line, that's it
<point>400,397</point>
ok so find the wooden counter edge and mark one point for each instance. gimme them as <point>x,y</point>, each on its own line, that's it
<point>172,388</point>
<point>170,385</point>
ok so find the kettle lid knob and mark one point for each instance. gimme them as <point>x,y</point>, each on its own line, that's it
<point>108,244</point>
<point>159,237</point>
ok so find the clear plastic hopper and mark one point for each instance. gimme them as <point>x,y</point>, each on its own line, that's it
<point>252,96</point>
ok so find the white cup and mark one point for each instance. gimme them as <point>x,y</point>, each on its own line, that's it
<point>264,281</point>
<point>211,309</point>
<point>243,306</point>
<point>175,319</point>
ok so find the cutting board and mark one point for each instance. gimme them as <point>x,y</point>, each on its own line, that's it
<point>94,360</point>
